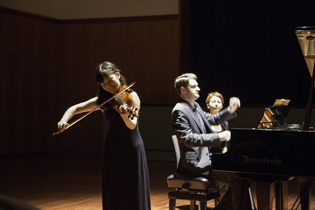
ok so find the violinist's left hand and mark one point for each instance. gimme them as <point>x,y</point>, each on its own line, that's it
<point>123,109</point>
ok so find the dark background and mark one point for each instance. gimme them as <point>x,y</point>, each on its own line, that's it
<point>249,49</point>
<point>246,49</point>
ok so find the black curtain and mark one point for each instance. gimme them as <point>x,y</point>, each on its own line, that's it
<point>249,49</point>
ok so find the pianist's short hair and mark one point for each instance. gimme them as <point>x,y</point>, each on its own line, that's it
<point>183,80</point>
<point>215,93</point>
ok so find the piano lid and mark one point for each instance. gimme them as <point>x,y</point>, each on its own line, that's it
<point>306,35</point>
<point>306,39</point>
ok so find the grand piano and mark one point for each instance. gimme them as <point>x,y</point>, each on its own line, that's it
<point>275,152</point>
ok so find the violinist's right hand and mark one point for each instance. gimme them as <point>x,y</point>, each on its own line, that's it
<point>225,136</point>
<point>62,125</point>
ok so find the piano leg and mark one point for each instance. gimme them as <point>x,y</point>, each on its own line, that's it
<point>281,188</point>
<point>271,195</point>
<point>305,192</point>
<point>263,194</point>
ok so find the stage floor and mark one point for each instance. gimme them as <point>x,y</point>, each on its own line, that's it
<point>61,181</point>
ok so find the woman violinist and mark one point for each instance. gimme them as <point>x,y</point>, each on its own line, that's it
<point>125,170</point>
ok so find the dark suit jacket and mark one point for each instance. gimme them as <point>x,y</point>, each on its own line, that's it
<point>193,143</point>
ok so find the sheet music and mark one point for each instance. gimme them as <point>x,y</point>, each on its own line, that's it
<point>281,102</point>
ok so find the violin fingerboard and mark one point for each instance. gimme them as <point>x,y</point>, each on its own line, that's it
<point>119,100</point>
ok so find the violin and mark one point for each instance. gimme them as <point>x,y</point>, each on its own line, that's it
<point>122,98</point>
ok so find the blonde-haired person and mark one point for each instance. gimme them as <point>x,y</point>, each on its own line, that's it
<point>192,127</point>
<point>215,103</point>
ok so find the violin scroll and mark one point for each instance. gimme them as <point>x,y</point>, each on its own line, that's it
<point>133,113</point>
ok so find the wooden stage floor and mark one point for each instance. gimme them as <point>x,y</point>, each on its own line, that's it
<point>73,181</point>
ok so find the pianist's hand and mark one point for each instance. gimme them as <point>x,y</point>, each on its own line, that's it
<point>225,136</point>
<point>234,104</point>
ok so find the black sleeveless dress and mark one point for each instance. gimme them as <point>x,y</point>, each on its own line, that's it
<point>225,127</point>
<point>125,172</point>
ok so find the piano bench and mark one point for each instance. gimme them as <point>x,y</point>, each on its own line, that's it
<point>193,189</point>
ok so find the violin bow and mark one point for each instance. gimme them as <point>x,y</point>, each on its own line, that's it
<point>117,94</point>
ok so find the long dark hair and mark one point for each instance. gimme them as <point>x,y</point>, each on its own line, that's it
<point>104,70</point>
